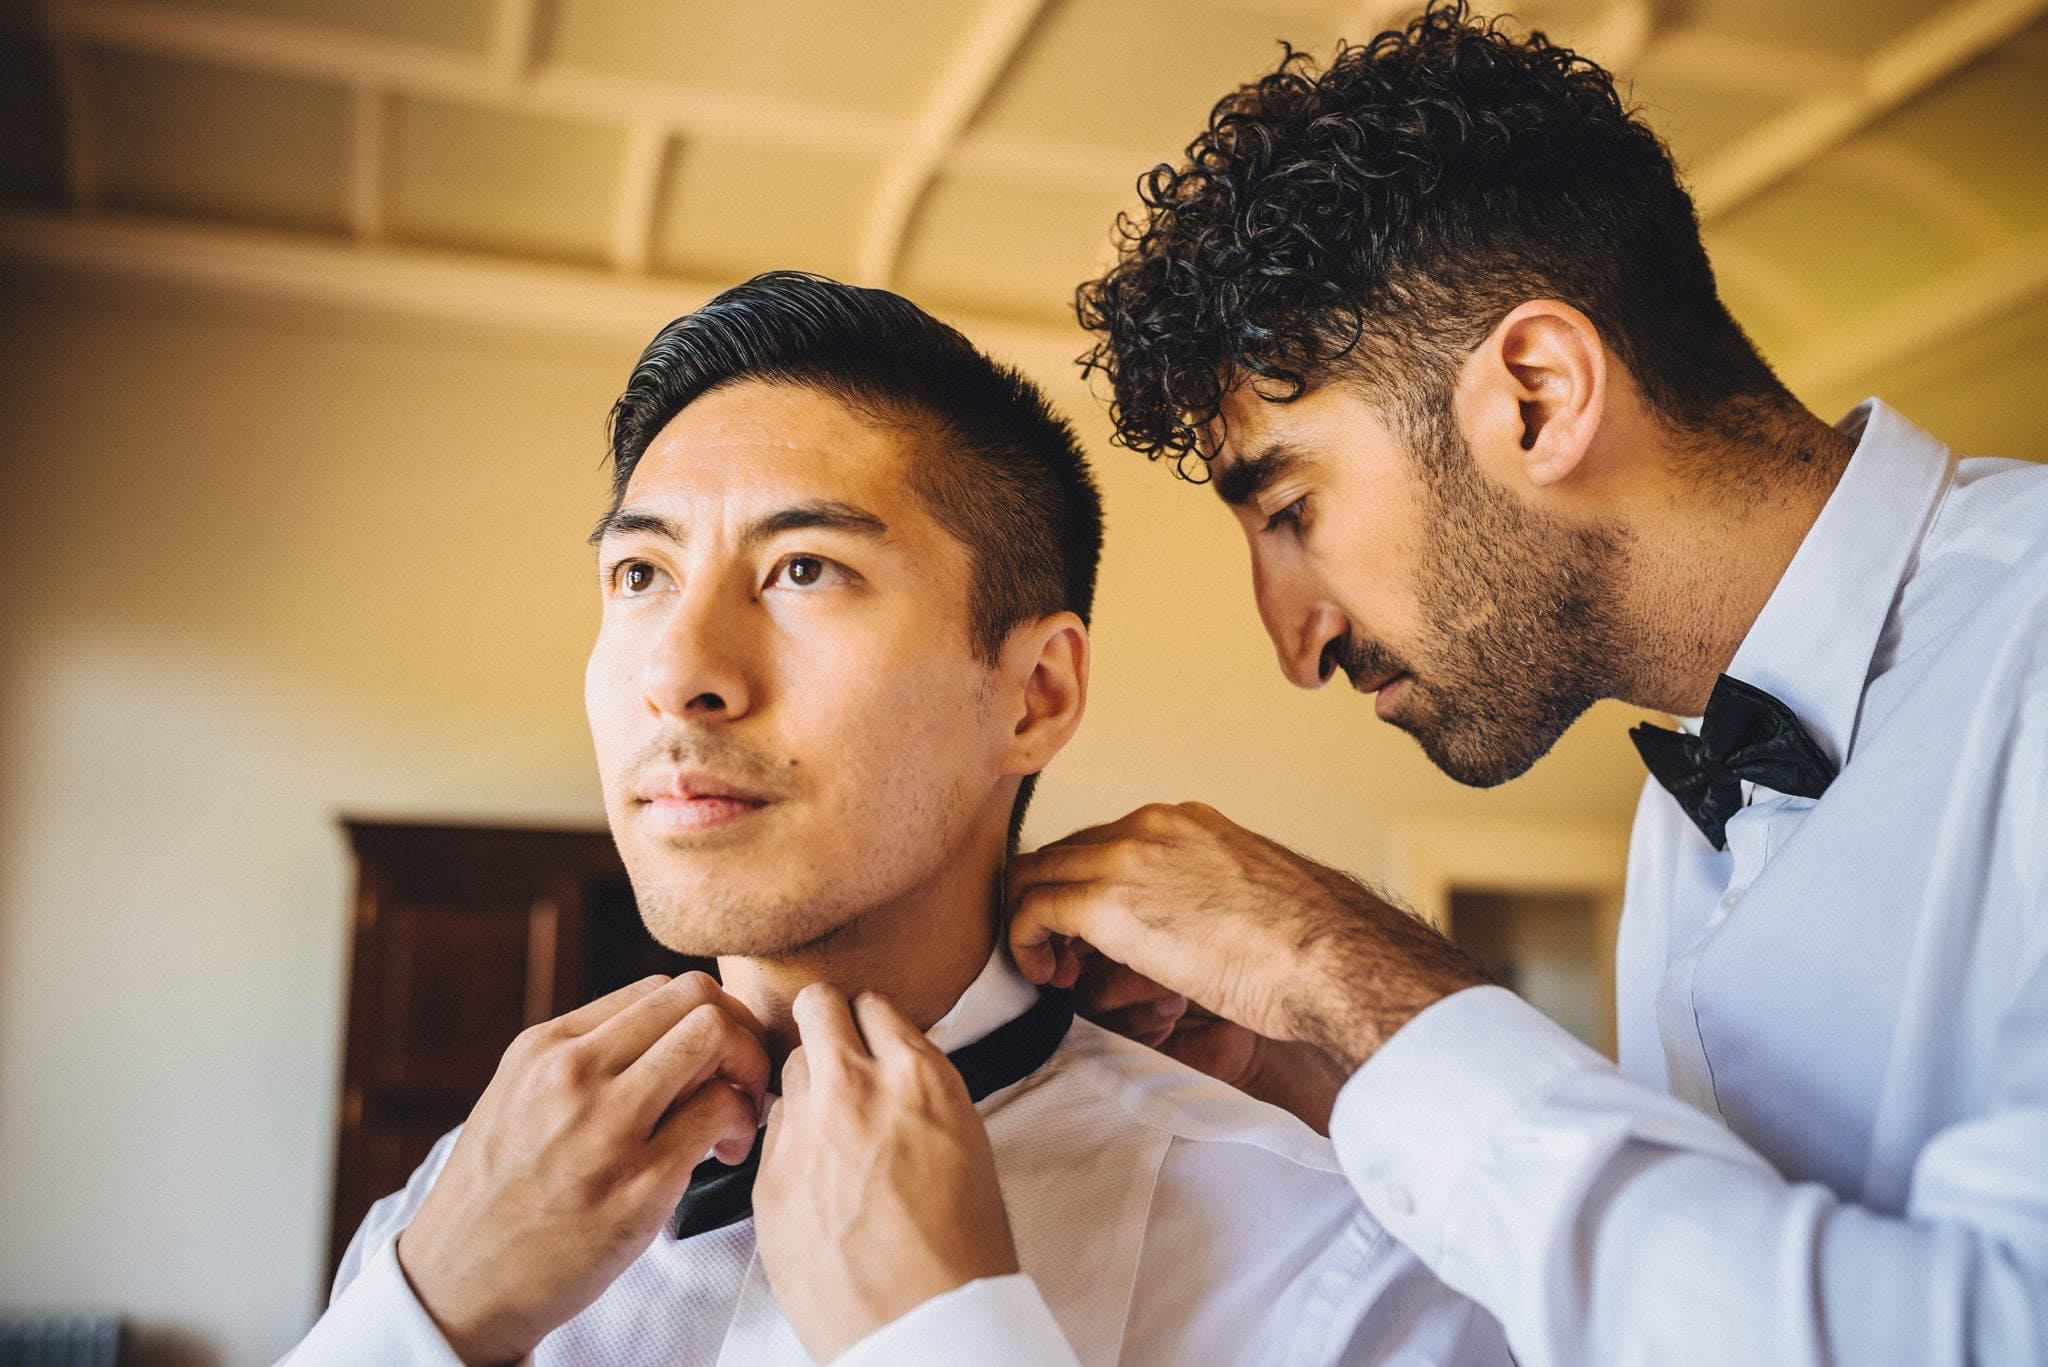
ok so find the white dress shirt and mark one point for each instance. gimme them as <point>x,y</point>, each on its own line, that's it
<point>1827,1140</point>
<point>1160,1217</point>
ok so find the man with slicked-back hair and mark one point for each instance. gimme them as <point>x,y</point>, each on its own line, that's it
<point>846,575</point>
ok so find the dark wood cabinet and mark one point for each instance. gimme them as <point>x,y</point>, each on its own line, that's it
<point>464,936</point>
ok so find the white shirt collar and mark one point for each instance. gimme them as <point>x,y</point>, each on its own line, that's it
<point>1812,644</point>
<point>996,997</point>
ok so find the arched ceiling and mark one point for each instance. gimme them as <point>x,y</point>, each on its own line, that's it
<point>1872,174</point>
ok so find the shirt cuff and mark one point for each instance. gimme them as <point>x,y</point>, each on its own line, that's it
<point>1005,1319</point>
<point>377,1318</point>
<point>1409,1125</point>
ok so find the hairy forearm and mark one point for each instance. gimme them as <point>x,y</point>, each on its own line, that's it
<point>1368,968</point>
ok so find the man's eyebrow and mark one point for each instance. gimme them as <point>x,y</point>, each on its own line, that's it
<point>826,514</point>
<point>626,521</point>
<point>1245,478</point>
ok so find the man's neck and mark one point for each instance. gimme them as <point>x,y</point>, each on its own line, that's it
<point>1709,547</point>
<point>921,950</point>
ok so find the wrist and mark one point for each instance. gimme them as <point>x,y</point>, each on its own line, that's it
<point>1368,977</point>
<point>473,1334</point>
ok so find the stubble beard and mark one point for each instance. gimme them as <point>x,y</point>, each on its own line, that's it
<point>1524,619</point>
<point>720,922</point>
<point>776,899</point>
<point>697,898</point>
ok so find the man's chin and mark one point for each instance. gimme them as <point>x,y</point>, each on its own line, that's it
<point>724,927</point>
<point>1482,757</point>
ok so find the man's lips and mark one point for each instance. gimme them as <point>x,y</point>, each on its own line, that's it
<point>1389,689</point>
<point>696,802</point>
<point>1376,684</point>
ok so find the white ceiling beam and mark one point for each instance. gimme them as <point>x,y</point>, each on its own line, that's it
<point>242,41</point>
<point>1617,37</point>
<point>1317,10</point>
<point>1843,366</point>
<point>642,169</point>
<point>1050,162</point>
<point>420,284</point>
<point>1725,63</point>
<point>518,33</point>
<point>369,171</point>
<point>1762,286</point>
<point>1925,186</point>
<point>1368,19</point>
<point>565,300</point>
<point>551,299</point>
<point>1894,74</point>
<point>84,171</point>
<point>964,84</point>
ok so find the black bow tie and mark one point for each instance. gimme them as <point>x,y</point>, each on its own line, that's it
<point>721,1195</point>
<point>1745,734</point>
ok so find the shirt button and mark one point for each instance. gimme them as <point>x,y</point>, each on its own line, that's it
<point>1730,898</point>
<point>1398,1199</point>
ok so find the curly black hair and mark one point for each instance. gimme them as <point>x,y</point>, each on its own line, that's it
<point>1382,214</point>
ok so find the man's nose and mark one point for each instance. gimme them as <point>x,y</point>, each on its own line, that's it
<point>697,665</point>
<point>1302,640</point>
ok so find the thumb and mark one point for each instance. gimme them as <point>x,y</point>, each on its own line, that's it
<point>1044,920</point>
<point>770,1132</point>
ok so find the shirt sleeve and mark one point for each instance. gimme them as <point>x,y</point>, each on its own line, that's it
<point>375,1318</point>
<point>1602,1221</point>
<point>372,1313</point>
<point>1005,1318</point>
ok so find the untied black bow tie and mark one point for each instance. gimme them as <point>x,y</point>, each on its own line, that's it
<point>721,1195</point>
<point>1745,734</point>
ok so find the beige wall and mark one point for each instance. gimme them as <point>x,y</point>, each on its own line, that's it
<point>261,565</point>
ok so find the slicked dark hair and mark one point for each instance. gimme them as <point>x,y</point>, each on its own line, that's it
<point>996,467</point>
<point>1376,218</point>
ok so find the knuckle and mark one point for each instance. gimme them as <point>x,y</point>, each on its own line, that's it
<point>566,1067</point>
<point>937,1090</point>
<point>852,1087</point>
<point>532,1041</point>
<point>696,985</point>
<point>712,1027</point>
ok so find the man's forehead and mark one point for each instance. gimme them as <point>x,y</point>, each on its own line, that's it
<point>1245,417</point>
<point>1246,449</point>
<point>774,442</point>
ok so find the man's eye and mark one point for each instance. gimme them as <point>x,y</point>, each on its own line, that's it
<point>1290,516</point>
<point>635,576</point>
<point>804,572</point>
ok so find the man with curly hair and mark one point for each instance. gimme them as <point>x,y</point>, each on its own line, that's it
<point>1436,323</point>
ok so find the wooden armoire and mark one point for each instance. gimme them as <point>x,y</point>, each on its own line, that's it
<point>464,936</point>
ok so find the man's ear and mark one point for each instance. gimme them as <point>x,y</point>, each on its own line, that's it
<point>1531,397</point>
<point>1050,658</point>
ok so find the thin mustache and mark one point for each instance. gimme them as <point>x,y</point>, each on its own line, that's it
<point>1360,659</point>
<point>731,761</point>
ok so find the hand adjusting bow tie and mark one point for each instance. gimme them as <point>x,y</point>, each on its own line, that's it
<point>1746,734</point>
<point>721,1195</point>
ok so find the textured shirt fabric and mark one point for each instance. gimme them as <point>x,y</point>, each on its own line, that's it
<point>1827,1139</point>
<point>1160,1217</point>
